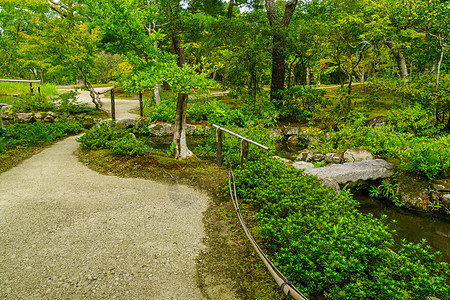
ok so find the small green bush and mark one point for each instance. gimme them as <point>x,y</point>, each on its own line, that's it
<point>327,247</point>
<point>429,157</point>
<point>164,112</point>
<point>302,102</point>
<point>34,134</point>
<point>33,103</point>
<point>109,135</point>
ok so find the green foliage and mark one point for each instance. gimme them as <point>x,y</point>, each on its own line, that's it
<point>109,135</point>
<point>429,157</point>
<point>164,112</point>
<point>32,103</point>
<point>216,112</point>
<point>387,190</point>
<point>231,146</point>
<point>68,103</point>
<point>35,134</point>
<point>302,102</point>
<point>327,247</point>
<point>413,119</point>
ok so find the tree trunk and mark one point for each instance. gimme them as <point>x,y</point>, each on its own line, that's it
<point>279,44</point>
<point>179,136</point>
<point>438,73</point>
<point>230,9</point>
<point>399,58</point>
<point>157,94</point>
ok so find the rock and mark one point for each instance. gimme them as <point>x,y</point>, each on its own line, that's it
<point>126,123</point>
<point>377,122</point>
<point>192,129</point>
<point>446,197</point>
<point>161,128</point>
<point>335,158</point>
<point>353,155</point>
<point>5,107</point>
<point>355,171</point>
<point>315,157</point>
<point>328,182</point>
<point>37,116</point>
<point>6,116</point>
<point>303,155</point>
<point>24,117</point>
<point>49,118</point>
<point>302,165</point>
<point>413,192</point>
<point>52,114</point>
<point>441,185</point>
<point>276,133</point>
<point>292,140</point>
<point>289,130</point>
<point>284,160</point>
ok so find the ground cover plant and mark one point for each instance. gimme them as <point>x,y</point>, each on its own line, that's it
<point>327,247</point>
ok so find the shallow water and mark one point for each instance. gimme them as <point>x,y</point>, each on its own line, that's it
<point>412,226</point>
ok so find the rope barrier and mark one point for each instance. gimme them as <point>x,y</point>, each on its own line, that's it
<point>284,283</point>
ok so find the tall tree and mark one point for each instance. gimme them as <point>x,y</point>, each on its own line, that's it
<point>279,34</point>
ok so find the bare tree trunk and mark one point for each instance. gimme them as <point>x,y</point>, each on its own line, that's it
<point>231,4</point>
<point>399,58</point>
<point>179,136</point>
<point>438,73</point>
<point>308,76</point>
<point>157,94</point>
<point>279,44</point>
<point>94,95</point>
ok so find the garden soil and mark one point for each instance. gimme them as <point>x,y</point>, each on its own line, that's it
<point>67,232</point>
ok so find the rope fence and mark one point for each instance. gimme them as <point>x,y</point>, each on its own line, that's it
<point>280,279</point>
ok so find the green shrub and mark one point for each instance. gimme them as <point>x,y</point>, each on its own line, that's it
<point>99,137</point>
<point>327,247</point>
<point>109,135</point>
<point>68,103</point>
<point>216,112</point>
<point>302,102</point>
<point>429,157</point>
<point>164,112</point>
<point>413,119</point>
<point>39,133</point>
<point>33,103</point>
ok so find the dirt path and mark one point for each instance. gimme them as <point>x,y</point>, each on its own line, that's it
<point>67,232</point>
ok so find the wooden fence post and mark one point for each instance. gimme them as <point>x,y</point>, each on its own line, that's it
<point>141,109</point>
<point>39,89</point>
<point>113,106</point>
<point>31,87</point>
<point>219,135</point>
<point>244,151</point>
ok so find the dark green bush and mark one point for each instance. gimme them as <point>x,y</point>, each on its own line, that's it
<point>33,103</point>
<point>216,112</point>
<point>302,102</point>
<point>109,135</point>
<point>327,247</point>
<point>35,134</point>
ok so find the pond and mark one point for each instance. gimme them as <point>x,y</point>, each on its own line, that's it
<point>411,225</point>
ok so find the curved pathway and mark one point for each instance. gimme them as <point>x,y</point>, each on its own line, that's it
<point>67,232</point>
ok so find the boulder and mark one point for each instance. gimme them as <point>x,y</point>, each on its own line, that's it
<point>292,140</point>
<point>161,128</point>
<point>353,155</point>
<point>377,122</point>
<point>355,171</point>
<point>52,114</point>
<point>38,116</point>
<point>284,160</point>
<point>413,192</point>
<point>289,130</point>
<point>126,123</point>
<point>49,118</point>
<point>328,182</point>
<point>5,106</point>
<point>334,158</point>
<point>303,155</point>
<point>24,117</point>
<point>6,116</point>
<point>315,157</point>
<point>302,165</point>
<point>276,133</point>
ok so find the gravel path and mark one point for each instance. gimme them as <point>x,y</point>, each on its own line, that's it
<point>67,232</point>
